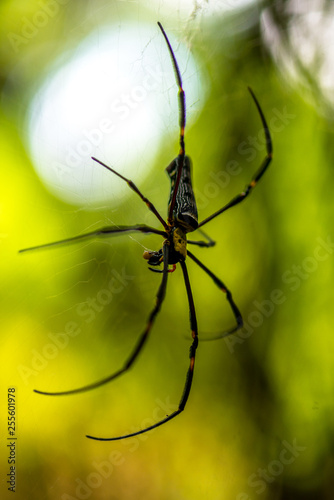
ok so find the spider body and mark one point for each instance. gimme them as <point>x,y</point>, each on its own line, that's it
<point>182,219</point>
<point>184,216</point>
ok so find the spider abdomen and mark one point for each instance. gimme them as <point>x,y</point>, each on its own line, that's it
<point>185,209</point>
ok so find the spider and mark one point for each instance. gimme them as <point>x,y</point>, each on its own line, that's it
<point>182,219</point>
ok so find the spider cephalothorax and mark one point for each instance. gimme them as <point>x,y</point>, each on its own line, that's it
<point>177,242</point>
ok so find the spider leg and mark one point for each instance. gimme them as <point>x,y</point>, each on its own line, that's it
<point>104,231</point>
<point>206,244</point>
<point>161,271</point>
<point>190,372</point>
<point>134,188</point>
<point>182,121</point>
<point>142,339</point>
<point>182,101</point>
<point>259,173</point>
<point>224,289</point>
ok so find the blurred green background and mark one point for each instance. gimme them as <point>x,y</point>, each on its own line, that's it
<point>259,421</point>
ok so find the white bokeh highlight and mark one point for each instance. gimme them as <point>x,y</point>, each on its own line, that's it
<point>113,97</point>
<point>305,48</point>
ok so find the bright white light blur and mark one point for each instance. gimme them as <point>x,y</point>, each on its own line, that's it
<point>307,42</point>
<point>200,8</point>
<point>115,98</point>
